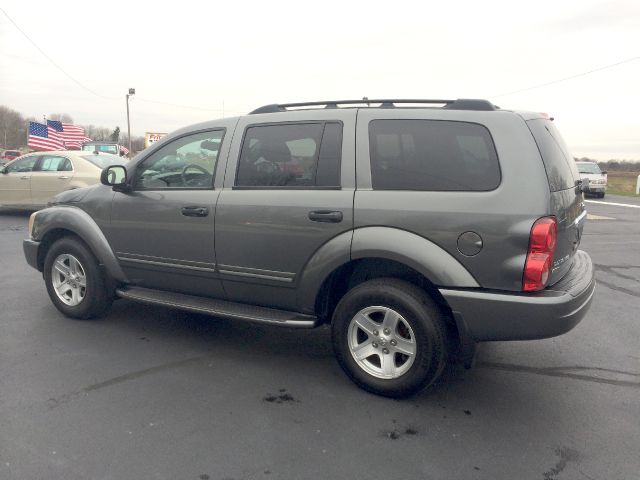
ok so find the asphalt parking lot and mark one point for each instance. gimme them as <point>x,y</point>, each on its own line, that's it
<point>152,393</point>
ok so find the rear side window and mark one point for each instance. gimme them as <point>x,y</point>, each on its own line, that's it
<point>432,155</point>
<point>52,163</point>
<point>562,172</point>
<point>291,155</point>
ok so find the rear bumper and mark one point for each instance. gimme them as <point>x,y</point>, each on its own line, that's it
<point>30,248</point>
<point>597,188</point>
<point>484,315</point>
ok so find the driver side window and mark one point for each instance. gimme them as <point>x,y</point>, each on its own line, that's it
<point>188,162</point>
<point>23,165</point>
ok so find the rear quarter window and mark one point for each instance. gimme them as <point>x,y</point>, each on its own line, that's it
<point>562,172</point>
<point>432,155</point>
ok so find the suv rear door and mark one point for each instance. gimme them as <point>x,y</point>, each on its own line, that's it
<point>567,200</point>
<point>289,189</point>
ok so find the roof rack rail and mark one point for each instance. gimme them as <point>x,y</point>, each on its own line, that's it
<point>459,104</point>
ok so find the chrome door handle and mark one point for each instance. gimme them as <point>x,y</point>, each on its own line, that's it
<point>195,211</point>
<point>63,177</point>
<point>24,178</point>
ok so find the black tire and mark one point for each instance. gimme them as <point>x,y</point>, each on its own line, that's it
<point>423,317</point>
<point>97,295</point>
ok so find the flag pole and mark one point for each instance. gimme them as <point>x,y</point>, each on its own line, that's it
<point>132,91</point>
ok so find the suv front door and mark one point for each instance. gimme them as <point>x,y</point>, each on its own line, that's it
<point>163,230</point>
<point>289,190</point>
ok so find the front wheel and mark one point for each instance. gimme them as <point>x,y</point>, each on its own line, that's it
<point>74,281</point>
<point>390,337</point>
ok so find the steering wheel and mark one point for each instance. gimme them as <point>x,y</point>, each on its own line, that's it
<point>183,174</point>
<point>267,166</point>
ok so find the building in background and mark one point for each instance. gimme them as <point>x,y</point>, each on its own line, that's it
<point>150,137</point>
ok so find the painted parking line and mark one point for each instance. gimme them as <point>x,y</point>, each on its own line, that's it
<point>591,216</point>
<point>612,203</point>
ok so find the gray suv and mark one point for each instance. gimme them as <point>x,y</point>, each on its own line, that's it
<point>415,228</point>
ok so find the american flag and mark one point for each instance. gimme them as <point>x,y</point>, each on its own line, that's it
<point>45,137</point>
<point>73,136</point>
<point>124,149</point>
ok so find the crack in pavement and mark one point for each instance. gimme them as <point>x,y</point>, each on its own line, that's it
<point>612,269</point>
<point>565,372</point>
<point>62,399</point>
<point>616,288</point>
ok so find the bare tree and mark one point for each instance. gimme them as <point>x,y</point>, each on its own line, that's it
<point>13,129</point>
<point>137,143</point>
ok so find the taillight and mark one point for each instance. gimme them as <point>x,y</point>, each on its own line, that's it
<point>542,246</point>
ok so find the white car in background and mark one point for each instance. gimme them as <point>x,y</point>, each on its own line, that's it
<point>31,180</point>
<point>597,178</point>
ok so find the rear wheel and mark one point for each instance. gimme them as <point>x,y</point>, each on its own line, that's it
<point>390,338</point>
<point>74,281</point>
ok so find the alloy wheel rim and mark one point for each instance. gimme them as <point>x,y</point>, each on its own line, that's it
<point>69,279</point>
<point>382,342</point>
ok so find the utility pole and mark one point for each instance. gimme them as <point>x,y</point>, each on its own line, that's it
<point>132,91</point>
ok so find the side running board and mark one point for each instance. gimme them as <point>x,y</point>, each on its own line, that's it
<point>219,308</point>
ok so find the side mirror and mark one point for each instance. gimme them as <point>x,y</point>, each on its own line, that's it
<point>209,145</point>
<point>604,172</point>
<point>114,176</point>
<point>584,186</point>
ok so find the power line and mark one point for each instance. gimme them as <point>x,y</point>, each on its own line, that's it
<point>44,54</point>
<point>567,78</point>
<point>51,60</point>
<point>187,106</point>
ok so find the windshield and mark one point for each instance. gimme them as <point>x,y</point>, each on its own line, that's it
<point>589,168</point>
<point>104,160</point>
<point>101,148</point>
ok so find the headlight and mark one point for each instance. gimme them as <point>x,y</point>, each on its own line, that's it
<point>31,222</point>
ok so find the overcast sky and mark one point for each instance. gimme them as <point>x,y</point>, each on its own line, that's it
<point>246,54</point>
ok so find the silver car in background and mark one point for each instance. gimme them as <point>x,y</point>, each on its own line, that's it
<point>32,179</point>
<point>596,178</point>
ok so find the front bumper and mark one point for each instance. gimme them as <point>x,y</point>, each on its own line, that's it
<point>597,188</point>
<point>484,315</point>
<point>30,248</point>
